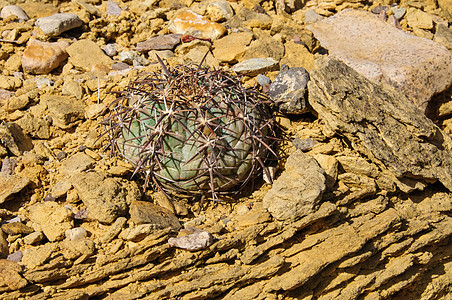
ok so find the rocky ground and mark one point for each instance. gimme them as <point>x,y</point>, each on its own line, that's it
<point>361,203</point>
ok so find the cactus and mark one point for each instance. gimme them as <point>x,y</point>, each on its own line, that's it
<point>193,130</point>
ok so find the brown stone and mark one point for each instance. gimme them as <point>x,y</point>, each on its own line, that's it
<point>15,228</point>
<point>41,57</point>
<point>189,22</point>
<point>10,278</point>
<point>142,212</point>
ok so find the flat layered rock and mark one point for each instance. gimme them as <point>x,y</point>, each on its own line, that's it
<point>387,127</point>
<point>384,54</point>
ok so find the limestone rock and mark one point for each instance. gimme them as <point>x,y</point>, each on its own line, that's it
<point>219,10</point>
<point>189,22</point>
<point>80,248</point>
<point>264,47</point>
<point>105,198</point>
<point>56,24</point>
<point>297,55</point>
<point>162,42</point>
<point>33,238</point>
<point>65,112</point>
<point>14,139</point>
<point>15,228</point>
<point>36,127</point>
<point>51,218</point>
<point>380,119</point>
<point>298,190</point>
<point>232,47</point>
<point>137,233</point>
<point>443,35</point>
<point>4,249</point>
<point>249,18</point>
<point>113,9</point>
<point>330,165</point>
<point>15,10</point>
<point>10,185</point>
<point>143,212</point>
<point>418,19</point>
<point>86,54</point>
<point>254,66</point>
<point>76,233</point>
<point>192,238</point>
<point>37,256</point>
<point>41,57</point>
<point>77,163</point>
<point>446,8</point>
<point>10,278</point>
<point>384,54</point>
<point>289,90</point>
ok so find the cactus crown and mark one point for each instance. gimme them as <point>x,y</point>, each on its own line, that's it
<point>193,130</point>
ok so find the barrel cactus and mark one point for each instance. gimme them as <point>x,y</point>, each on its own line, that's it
<point>193,130</point>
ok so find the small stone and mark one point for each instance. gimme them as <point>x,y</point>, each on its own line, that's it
<point>4,249</point>
<point>44,82</point>
<point>95,110</point>
<point>15,257</point>
<point>113,9</point>
<point>42,57</point>
<point>399,12</point>
<point>418,19</point>
<point>14,10</point>
<point>16,103</point>
<point>85,54</point>
<point>8,167</point>
<point>10,185</point>
<point>163,54</point>
<point>304,144</point>
<point>51,218</point>
<point>72,88</point>
<point>91,9</point>
<point>114,230</point>
<point>133,58</point>
<point>162,42</point>
<point>443,35</point>
<point>263,80</point>
<point>110,49</point>
<point>105,198</point>
<point>138,233</point>
<point>192,239</point>
<point>37,256</point>
<point>78,250</point>
<point>446,8</point>
<point>289,90</point>
<point>15,228</point>
<point>10,278</point>
<point>142,212</point>
<point>254,66</point>
<point>10,82</point>
<point>56,24</point>
<point>330,165</point>
<point>189,22</point>
<point>14,139</point>
<point>61,155</point>
<point>76,233</point>
<point>232,47</point>
<point>64,111</point>
<point>219,11</point>
<point>378,9</point>
<point>298,190</point>
<point>77,163</point>
<point>61,188</point>
<point>33,238</point>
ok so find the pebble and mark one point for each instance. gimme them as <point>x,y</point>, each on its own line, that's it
<point>219,11</point>
<point>143,212</point>
<point>15,10</point>
<point>10,278</point>
<point>8,167</point>
<point>16,228</point>
<point>61,188</point>
<point>304,144</point>
<point>133,58</point>
<point>378,9</point>
<point>15,257</point>
<point>399,12</point>
<point>289,90</point>
<point>443,35</point>
<point>42,57</point>
<point>15,219</point>
<point>113,9</point>
<point>56,24</point>
<point>61,155</point>
<point>75,234</point>
<point>189,22</point>
<point>254,66</point>
<point>162,42</point>
<point>192,239</point>
<point>11,185</point>
<point>63,110</point>
<point>43,82</point>
<point>110,50</point>
<point>137,233</point>
<point>263,80</point>
<point>33,237</point>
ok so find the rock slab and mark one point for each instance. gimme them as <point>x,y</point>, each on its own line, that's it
<point>298,190</point>
<point>41,57</point>
<point>387,128</point>
<point>189,22</point>
<point>384,54</point>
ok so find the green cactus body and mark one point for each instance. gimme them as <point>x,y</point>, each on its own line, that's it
<point>193,130</point>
